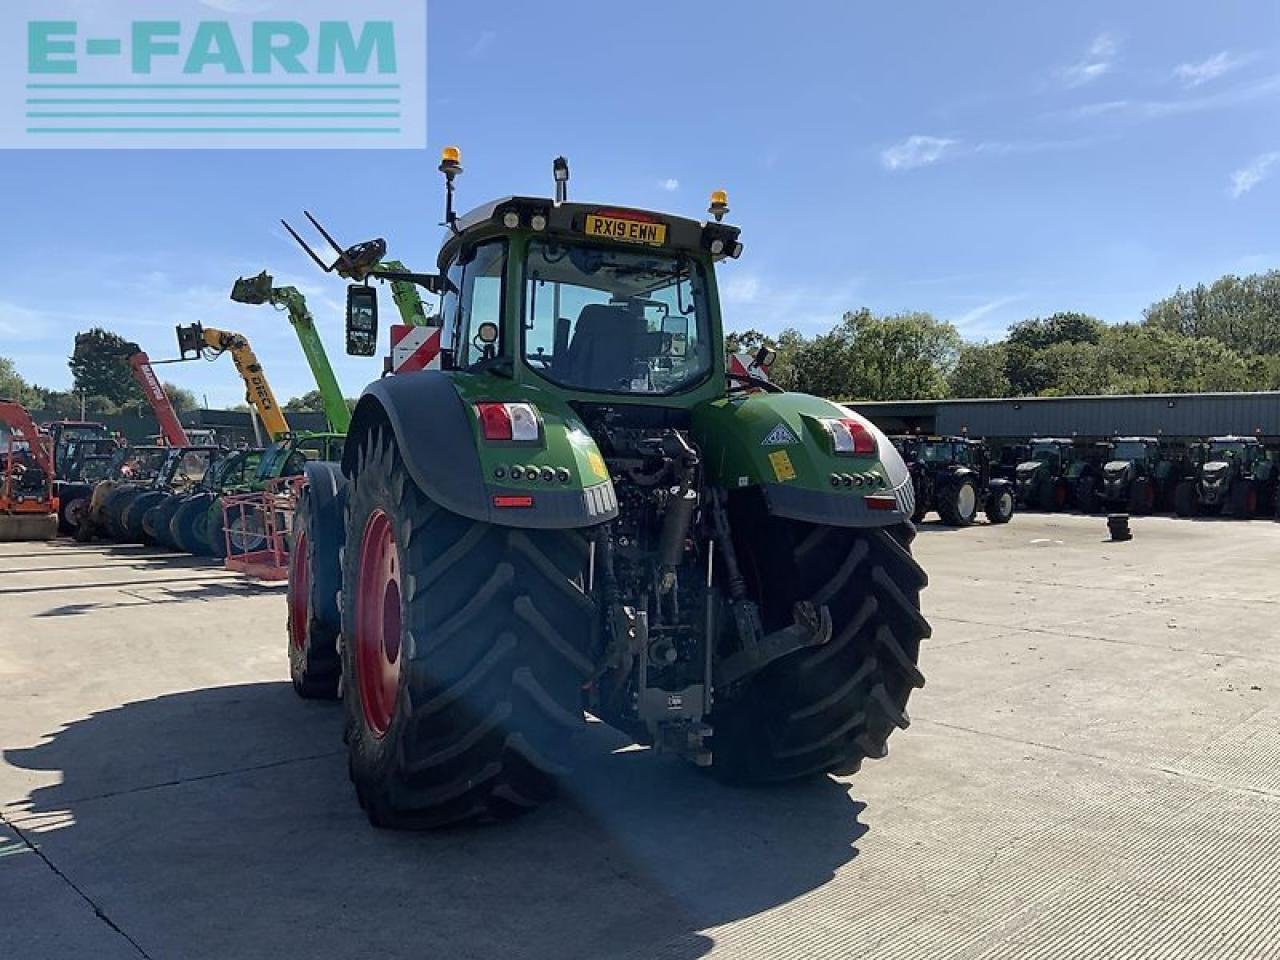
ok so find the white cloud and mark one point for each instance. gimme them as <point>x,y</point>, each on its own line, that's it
<point>919,151</point>
<point>1265,88</point>
<point>1097,61</point>
<point>1194,74</point>
<point>1248,177</point>
<point>670,184</point>
<point>915,151</point>
<point>483,43</point>
<point>968,320</point>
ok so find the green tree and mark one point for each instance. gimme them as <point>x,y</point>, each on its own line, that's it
<point>100,367</point>
<point>904,355</point>
<point>309,402</point>
<point>181,398</point>
<point>14,387</point>
<point>980,371</point>
<point>1242,313</point>
<point>1029,367</point>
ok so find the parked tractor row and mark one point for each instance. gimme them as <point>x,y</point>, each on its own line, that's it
<point>1226,476</point>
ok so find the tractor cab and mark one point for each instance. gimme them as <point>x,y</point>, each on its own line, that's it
<point>290,456</point>
<point>138,464</point>
<point>69,435</point>
<point>1141,452</point>
<point>1054,455</point>
<point>235,471</point>
<point>1234,452</point>
<point>185,468</point>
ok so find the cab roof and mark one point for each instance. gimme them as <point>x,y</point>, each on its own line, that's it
<point>568,219</point>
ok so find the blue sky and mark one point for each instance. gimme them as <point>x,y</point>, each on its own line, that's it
<point>983,161</point>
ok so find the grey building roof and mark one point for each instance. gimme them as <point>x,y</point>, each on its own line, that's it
<point>1159,414</point>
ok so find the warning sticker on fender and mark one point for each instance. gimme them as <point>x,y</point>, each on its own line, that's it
<point>782,466</point>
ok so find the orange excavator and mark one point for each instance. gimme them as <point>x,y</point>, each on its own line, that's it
<point>28,506</point>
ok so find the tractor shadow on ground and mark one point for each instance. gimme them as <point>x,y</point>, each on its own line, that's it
<point>228,812</point>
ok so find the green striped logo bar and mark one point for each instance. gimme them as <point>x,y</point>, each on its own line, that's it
<point>155,74</point>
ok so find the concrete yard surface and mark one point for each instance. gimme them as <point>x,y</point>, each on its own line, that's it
<point>1092,771</point>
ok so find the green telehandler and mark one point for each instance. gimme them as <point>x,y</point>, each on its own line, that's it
<point>586,509</point>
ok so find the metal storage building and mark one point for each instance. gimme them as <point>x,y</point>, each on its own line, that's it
<point>1157,414</point>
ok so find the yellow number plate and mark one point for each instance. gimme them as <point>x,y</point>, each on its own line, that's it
<point>628,231</point>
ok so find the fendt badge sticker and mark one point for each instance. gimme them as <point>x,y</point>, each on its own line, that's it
<point>779,436</point>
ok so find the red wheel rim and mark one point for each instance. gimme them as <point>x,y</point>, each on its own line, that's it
<point>299,592</point>
<point>378,623</point>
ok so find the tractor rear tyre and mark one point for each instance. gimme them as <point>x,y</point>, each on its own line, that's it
<point>823,709</point>
<point>463,653</point>
<point>1244,500</point>
<point>958,503</point>
<point>923,491</point>
<point>999,505</point>
<point>1184,499</point>
<point>1048,495</point>
<point>314,620</point>
<point>1142,496</point>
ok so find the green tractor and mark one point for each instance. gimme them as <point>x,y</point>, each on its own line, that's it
<point>1058,474</point>
<point>585,510</point>
<point>1139,476</point>
<point>1233,476</point>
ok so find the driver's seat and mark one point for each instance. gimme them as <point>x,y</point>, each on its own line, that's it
<point>602,353</point>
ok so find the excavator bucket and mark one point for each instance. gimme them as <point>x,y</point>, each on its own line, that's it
<point>17,527</point>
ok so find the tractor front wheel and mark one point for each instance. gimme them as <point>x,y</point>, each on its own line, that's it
<point>184,528</point>
<point>823,709</point>
<point>314,580</point>
<point>1142,496</point>
<point>463,654</point>
<point>1244,500</point>
<point>1088,497</point>
<point>1184,499</point>
<point>131,518</point>
<point>155,522</point>
<point>999,506</point>
<point>958,504</point>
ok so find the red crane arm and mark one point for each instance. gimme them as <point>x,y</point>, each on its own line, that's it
<point>153,390</point>
<point>15,417</point>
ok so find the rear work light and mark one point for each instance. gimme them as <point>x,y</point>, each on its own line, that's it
<point>509,422</point>
<point>850,438</point>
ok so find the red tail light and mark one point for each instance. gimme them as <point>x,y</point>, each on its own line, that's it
<point>850,437</point>
<point>512,422</point>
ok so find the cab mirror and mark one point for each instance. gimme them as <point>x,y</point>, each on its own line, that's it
<point>362,320</point>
